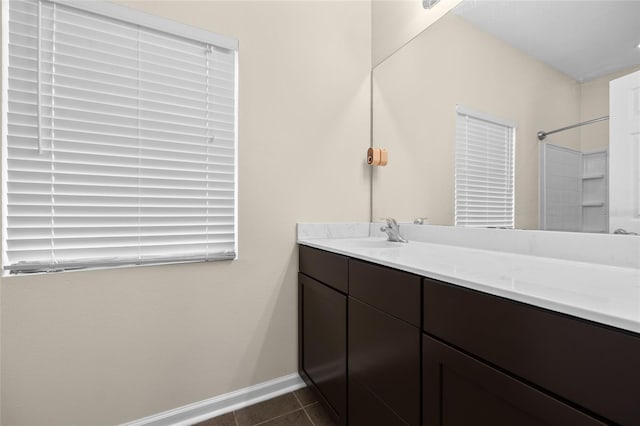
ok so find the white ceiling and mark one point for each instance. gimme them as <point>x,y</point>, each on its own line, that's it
<point>584,39</point>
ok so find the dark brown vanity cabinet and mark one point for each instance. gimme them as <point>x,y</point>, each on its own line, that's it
<point>384,346</point>
<point>493,361</point>
<point>322,301</point>
<point>460,390</point>
<point>379,310</point>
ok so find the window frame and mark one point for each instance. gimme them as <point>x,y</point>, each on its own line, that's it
<point>137,18</point>
<point>509,152</point>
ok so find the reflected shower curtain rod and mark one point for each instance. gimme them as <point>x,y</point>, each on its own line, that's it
<point>542,134</point>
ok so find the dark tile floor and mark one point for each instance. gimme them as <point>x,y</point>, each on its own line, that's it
<point>298,408</point>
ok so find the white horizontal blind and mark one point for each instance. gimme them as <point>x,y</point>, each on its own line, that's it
<point>484,171</point>
<point>121,143</point>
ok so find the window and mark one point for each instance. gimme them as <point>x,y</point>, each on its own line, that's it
<point>484,171</point>
<point>119,142</point>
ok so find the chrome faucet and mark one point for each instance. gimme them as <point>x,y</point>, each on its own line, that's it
<point>393,231</point>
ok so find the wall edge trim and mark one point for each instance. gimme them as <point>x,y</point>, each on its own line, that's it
<point>212,407</point>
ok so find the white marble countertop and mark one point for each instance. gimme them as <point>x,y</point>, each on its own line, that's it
<point>601,293</point>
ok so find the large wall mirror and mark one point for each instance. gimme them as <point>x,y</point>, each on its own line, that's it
<point>541,65</point>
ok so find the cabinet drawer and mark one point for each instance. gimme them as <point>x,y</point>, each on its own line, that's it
<point>460,390</point>
<point>384,355</point>
<point>329,268</point>
<point>591,365</point>
<point>395,292</point>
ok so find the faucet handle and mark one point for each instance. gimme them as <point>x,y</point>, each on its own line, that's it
<point>393,231</point>
<point>621,231</point>
<point>391,222</point>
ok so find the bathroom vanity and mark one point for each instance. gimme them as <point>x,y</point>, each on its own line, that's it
<point>384,342</point>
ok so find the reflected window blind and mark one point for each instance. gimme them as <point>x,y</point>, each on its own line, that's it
<point>120,144</point>
<point>484,170</point>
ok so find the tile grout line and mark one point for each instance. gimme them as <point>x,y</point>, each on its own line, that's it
<point>309,417</point>
<point>260,422</point>
<point>277,417</point>
<point>297,399</point>
<point>303,409</point>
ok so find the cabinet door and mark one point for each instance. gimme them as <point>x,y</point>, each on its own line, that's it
<point>591,365</point>
<point>367,409</point>
<point>459,390</point>
<point>323,357</point>
<point>384,360</point>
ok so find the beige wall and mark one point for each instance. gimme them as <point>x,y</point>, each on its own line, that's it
<point>415,95</point>
<point>104,347</point>
<point>396,22</point>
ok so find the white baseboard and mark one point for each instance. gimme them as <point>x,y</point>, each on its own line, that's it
<point>200,411</point>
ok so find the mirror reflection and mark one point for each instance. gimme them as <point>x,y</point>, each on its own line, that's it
<point>443,105</point>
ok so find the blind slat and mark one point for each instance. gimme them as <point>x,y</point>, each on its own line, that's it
<point>121,141</point>
<point>484,172</point>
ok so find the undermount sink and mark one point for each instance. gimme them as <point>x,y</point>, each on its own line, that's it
<point>369,243</point>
